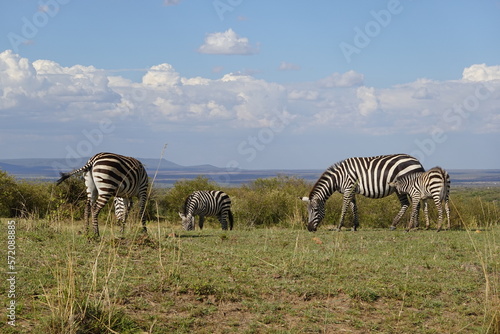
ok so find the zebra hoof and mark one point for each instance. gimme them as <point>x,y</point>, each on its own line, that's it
<point>392,228</point>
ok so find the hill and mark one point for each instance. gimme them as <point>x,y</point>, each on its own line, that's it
<point>167,172</point>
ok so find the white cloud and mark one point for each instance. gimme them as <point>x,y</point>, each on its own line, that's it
<point>45,91</point>
<point>369,102</point>
<point>46,86</point>
<point>161,75</point>
<point>423,93</point>
<point>227,43</point>
<point>481,72</point>
<point>347,79</point>
<point>285,66</point>
<point>303,95</point>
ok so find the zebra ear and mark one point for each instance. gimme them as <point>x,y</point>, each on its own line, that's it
<point>393,184</point>
<point>305,199</point>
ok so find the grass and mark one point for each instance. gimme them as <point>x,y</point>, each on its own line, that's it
<point>249,280</point>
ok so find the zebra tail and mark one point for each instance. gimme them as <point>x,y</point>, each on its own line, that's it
<point>64,176</point>
<point>444,187</point>
<point>231,219</point>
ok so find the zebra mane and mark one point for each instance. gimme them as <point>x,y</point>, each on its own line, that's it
<point>330,170</point>
<point>184,207</point>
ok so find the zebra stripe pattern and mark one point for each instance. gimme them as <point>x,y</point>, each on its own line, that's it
<point>435,184</point>
<point>368,176</point>
<point>122,208</point>
<point>107,175</point>
<point>207,203</point>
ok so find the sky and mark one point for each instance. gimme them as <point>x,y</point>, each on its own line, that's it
<point>251,84</point>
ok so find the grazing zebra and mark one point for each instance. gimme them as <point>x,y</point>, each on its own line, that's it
<point>369,177</point>
<point>207,203</point>
<point>107,175</point>
<point>435,184</point>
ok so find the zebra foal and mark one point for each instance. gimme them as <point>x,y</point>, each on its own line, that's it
<point>107,175</point>
<point>207,203</point>
<point>368,176</point>
<point>435,184</point>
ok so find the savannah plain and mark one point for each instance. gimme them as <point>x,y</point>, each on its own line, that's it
<point>268,275</point>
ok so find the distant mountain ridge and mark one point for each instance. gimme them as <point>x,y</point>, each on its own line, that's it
<point>49,169</point>
<point>168,172</point>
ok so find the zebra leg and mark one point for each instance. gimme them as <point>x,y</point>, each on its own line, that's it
<point>88,210</point>
<point>416,217</point>
<point>123,219</point>
<point>231,219</point>
<point>223,220</point>
<point>439,207</point>
<point>342,214</point>
<point>447,209</point>
<point>200,223</point>
<point>347,201</point>
<point>91,198</point>
<point>426,213</point>
<point>96,208</point>
<point>354,210</point>
<point>415,207</point>
<point>403,199</point>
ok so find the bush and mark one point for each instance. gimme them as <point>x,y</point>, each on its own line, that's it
<point>8,193</point>
<point>272,201</point>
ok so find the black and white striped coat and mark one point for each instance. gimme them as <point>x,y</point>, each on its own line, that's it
<point>207,203</point>
<point>122,209</point>
<point>435,184</point>
<point>368,176</point>
<point>107,175</point>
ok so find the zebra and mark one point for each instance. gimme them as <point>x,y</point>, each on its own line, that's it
<point>435,184</point>
<point>207,203</point>
<point>107,175</point>
<point>368,176</point>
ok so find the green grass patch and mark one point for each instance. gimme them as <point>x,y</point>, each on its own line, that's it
<point>256,280</point>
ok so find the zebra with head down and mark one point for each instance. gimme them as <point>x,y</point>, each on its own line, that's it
<point>435,184</point>
<point>368,176</point>
<point>207,203</point>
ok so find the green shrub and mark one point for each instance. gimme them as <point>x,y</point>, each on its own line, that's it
<point>8,193</point>
<point>272,201</point>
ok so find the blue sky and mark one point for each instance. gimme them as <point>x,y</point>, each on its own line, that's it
<point>252,84</point>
